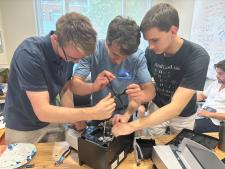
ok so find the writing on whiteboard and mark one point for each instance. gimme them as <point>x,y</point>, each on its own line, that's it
<point>208,30</point>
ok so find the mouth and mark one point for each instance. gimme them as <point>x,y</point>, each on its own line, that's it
<point>221,81</point>
<point>157,52</point>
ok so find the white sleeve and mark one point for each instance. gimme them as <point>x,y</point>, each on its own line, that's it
<point>211,87</point>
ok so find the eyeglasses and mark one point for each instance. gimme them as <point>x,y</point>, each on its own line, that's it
<point>64,53</point>
<point>70,58</point>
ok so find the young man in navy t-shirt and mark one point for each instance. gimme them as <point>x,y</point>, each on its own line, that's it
<point>41,68</point>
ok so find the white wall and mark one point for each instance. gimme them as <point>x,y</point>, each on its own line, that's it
<point>18,23</point>
<point>3,58</point>
<point>185,10</point>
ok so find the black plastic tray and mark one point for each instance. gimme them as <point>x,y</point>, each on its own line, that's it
<point>205,140</point>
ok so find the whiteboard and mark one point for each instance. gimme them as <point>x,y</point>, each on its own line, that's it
<point>208,30</point>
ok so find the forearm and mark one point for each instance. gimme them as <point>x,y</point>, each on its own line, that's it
<point>217,115</point>
<point>56,114</point>
<point>200,96</point>
<point>148,92</point>
<point>66,96</point>
<point>51,113</point>
<point>132,107</point>
<point>179,101</point>
<point>161,115</point>
<point>80,87</point>
<point>148,96</point>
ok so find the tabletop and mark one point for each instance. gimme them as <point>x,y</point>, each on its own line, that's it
<point>2,132</point>
<point>48,153</point>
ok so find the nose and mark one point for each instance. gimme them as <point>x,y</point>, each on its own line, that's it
<point>118,61</point>
<point>151,46</point>
<point>217,76</point>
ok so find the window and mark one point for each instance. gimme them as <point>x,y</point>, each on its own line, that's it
<point>100,12</point>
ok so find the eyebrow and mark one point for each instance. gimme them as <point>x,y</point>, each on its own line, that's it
<point>68,56</point>
<point>153,39</point>
<point>119,55</point>
<point>116,54</point>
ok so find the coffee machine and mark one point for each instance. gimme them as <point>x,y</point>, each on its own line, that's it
<point>99,149</point>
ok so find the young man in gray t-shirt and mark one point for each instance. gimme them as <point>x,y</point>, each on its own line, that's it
<point>117,63</point>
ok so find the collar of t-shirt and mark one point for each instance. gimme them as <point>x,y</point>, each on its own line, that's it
<point>49,50</point>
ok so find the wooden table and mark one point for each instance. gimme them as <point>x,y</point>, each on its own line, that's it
<point>48,153</point>
<point>2,132</point>
<point>2,98</point>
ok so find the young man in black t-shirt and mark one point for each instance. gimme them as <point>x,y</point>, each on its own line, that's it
<point>179,68</point>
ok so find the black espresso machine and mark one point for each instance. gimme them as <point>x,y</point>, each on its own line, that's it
<point>99,149</point>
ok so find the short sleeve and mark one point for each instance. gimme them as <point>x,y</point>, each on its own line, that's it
<point>143,74</point>
<point>211,87</point>
<point>195,70</point>
<point>29,71</point>
<point>83,68</point>
<point>148,59</point>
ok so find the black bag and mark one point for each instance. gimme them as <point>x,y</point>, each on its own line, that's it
<point>143,149</point>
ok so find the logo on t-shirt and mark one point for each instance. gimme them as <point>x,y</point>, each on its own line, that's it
<point>124,75</point>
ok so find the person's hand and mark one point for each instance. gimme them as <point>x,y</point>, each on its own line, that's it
<point>141,111</point>
<point>205,113</point>
<point>122,129</point>
<point>102,80</point>
<point>79,126</point>
<point>104,108</point>
<point>134,92</point>
<point>118,118</point>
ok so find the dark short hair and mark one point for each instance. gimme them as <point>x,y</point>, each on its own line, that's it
<point>126,33</point>
<point>221,65</point>
<point>161,16</point>
<point>76,28</point>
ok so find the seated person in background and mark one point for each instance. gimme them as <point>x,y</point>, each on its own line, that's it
<point>179,68</point>
<point>117,60</point>
<point>213,110</point>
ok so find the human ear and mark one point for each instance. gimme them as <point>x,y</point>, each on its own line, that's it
<point>174,30</point>
<point>55,37</point>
